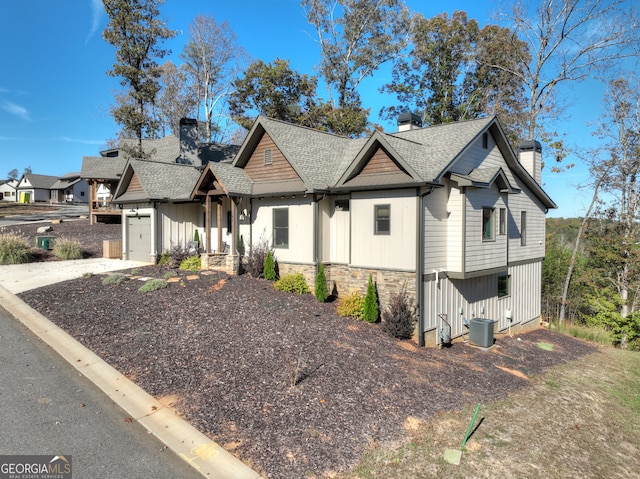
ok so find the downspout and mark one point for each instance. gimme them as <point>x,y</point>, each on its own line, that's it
<point>316,230</point>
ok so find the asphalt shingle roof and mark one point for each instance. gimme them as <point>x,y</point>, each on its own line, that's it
<point>161,181</point>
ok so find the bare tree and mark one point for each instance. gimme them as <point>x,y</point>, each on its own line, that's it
<point>213,60</point>
<point>569,40</point>
<point>176,100</point>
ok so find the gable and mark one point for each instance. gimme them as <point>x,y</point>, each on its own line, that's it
<point>379,170</point>
<point>279,169</point>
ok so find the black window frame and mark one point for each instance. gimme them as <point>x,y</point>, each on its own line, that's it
<point>504,286</point>
<point>380,221</point>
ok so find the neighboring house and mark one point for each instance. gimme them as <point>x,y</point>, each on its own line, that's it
<point>447,211</point>
<point>70,188</point>
<point>8,190</point>
<point>32,188</point>
<point>154,195</point>
<point>102,175</point>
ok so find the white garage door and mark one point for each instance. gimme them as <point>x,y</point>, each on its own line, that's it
<point>139,238</point>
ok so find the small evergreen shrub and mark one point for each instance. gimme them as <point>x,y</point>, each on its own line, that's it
<point>196,236</point>
<point>254,262</point>
<point>398,318</point>
<point>351,305</point>
<point>115,278</point>
<point>370,313</point>
<point>66,249</point>
<point>14,249</point>
<point>322,293</point>
<point>153,285</point>
<point>170,274</point>
<point>292,283</point>
<point>270,267</point>
<point>165,259</point>
<point>192,263</point>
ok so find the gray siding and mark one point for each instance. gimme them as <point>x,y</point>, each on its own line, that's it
<point>480,254</point>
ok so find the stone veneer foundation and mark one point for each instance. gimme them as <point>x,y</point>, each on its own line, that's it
<point>343,278</point>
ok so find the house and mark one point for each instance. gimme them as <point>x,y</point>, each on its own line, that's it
<point>33,188</point>
<point>102,175</point>
<point>8,190</point>
<point>153,196</point>
<point>70,188</point>
<point>448,211</point>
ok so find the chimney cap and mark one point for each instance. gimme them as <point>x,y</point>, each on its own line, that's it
<point>410,119</point>
<point>530,145</point>
<point>188,121</point>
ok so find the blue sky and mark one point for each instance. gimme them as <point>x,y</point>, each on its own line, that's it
<point>55,94</point>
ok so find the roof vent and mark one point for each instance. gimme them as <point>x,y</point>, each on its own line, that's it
<point>409,121</point>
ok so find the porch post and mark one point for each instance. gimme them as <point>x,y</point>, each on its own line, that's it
<point>207,224</point>
<point>234,226</point>
<point>219,211</point>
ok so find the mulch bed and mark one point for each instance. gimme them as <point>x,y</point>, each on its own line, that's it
<point>279,379</point>
<point>89,236</point>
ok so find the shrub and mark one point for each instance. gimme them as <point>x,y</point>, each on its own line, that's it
<point>292,283</point>
<point>153,285</point>
<point>255,260</point>
<point>398,318</point>
<point>170,274</point>
<point>270,267</point>
<point>196,236</point>
<point>176,255</point>
<point>352,305</point>
<point>370,313</point>
<point>66,248</point>
<point>322,293</point>
<point>192,263</point>
<point>115,278</point>
<point>14,249</point>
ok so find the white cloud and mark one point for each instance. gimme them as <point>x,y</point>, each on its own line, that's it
<point>97,10</point>
<point>84,142</point>
<point>16,110</point>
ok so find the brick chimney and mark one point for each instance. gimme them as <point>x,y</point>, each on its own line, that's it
<point>530,156</point>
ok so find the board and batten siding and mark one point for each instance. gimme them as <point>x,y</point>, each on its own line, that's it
<point>301,213</point>
<point>334,229</point>
<point>460,300</point>
<point>279,169</point>
<point>178,223</point>
<point>483,254</point>
<point>395,251</point>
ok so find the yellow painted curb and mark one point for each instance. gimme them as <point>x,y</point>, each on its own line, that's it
<point>194,447</point>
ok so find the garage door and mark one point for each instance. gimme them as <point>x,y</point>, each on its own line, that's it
<point>139,238</point>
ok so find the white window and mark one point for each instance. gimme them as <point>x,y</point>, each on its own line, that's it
<point>503,221</point>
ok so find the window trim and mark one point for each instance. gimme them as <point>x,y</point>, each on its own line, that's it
<point>279,229</point>
<point>502,229</point>
<point>377,220</point>
<point>492,226</point>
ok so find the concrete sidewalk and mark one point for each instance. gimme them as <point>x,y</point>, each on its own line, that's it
<point>187,442</point>
<point>18,278</point>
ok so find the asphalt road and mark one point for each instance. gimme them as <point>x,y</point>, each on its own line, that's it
<point>48,408</point>
<point>62,212</point>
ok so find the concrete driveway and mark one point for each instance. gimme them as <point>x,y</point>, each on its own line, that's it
<point>23,277</point>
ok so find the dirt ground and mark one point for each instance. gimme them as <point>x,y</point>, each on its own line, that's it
<point>279,379</point>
